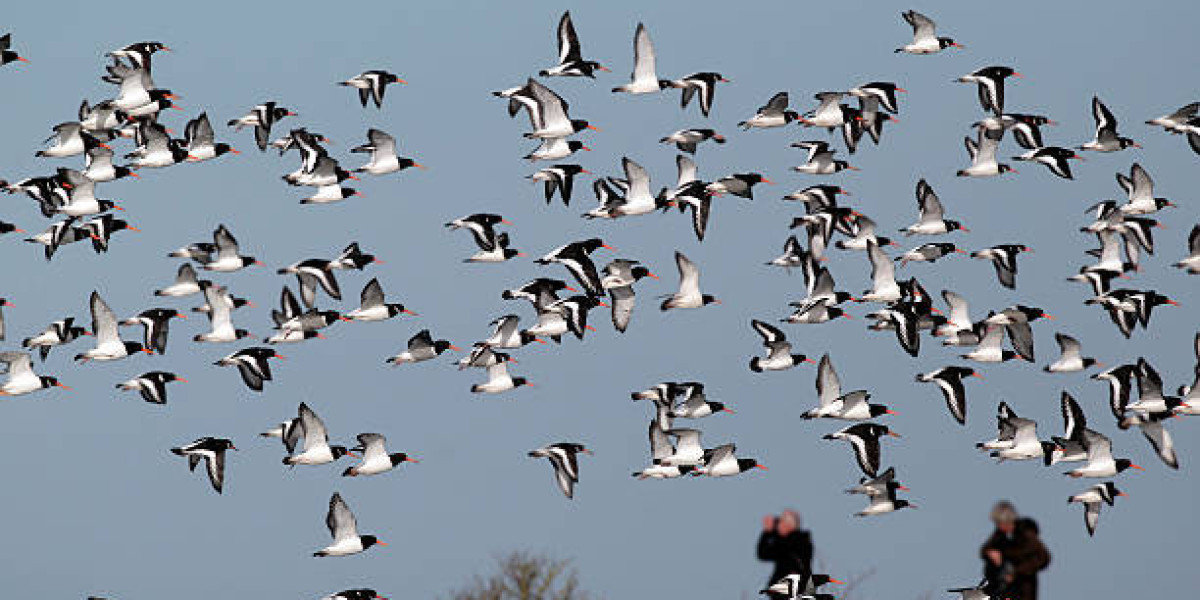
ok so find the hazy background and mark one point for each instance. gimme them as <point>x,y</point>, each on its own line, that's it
<point>94,503</point>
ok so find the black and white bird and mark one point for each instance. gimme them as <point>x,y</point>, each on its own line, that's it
<point>355,594</point>
<point>344,529</point>
<point>1107,139</point>
<point>570,54</point>
<point>820,159</point>
<point>950,381</point>
<point>422,347</point>
<point>779,350</point>
<point>1152,428</point>
<point>563,457</point>
<point>152,386</point>
<point>227,257</point>
<point>703,84</point>
<point>932,219</point>
<point>262,117</point>
<point>374,307</point>
<point>493,246</point>
<point>928,252</point>
<point>220,316</point>
<point>983,155</point>
<point>375,459</point>
<point>499,380</point>
<point>1100,461</point>
<point>548,113</point>
<point>686,140</point>
<point>925,39</point>
<point>884,502</point>
<point>833,404</point>
<point>774,113</point>
<point>722,462</point>
<point>688,295</point>
<point>1004,259</point>
<point>21,379</point>
<point>864,440</point>
<point>371,85</point>
<point>644,79</point>
<point>200,141</point>
<point>7,54</point>
<point>618,278</point>
<point>58,333</point>
<point>1071,359</point>
<point>252,365</point>
<point>1139,187</point>
<point>1054,157</point>
<point>156,322</point>
<point>212,451</point>
<point>384,160</point>
<point>316,449</point>
<point>990,81</point>
<point>560,179</point>
<point>109,345</point>
<point>576,257</point>
<point>1092,499</point>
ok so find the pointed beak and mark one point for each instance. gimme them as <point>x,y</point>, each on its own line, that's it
<point>1133,466</point>
<point>592,127</point>
<point>839,582</point>
<point>767,181</point>
<point>728,410</point>
<point>651,275</point>
<point>761,467</point>
<point>893,434</point>
<point>65,387</point>
<point>453,347</point>
<point>181,380</point>
<point>607,247</point>
<point>409,312</point>
<point>279,356</point>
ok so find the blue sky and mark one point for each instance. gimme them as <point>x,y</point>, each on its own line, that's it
<point>97,505</point>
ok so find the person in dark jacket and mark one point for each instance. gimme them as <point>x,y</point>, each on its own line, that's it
<point>784,543</point>
<point>1013,555</point>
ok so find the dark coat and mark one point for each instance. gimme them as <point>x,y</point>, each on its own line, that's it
<point>791,553</point>
<point>1024,555</point>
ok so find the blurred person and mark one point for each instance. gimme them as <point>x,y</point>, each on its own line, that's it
<point>1013,555</point>
<point>784,543</point>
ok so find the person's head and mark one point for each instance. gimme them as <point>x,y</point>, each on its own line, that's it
<point>1004,515</point>
<point>1026,528</point>
<point>788,522</point>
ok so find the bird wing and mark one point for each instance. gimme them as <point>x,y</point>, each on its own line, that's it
<point>1074,421</point>
<point>315,434</point>
<point>227,246</point>
<point>639,179</point>
<point>622,306</point>
<point>883,271</point>
<point>104,322</point>
<point>643,56</point>
<point>923,27</point>
<point>1105,121</point>
<point>687,169</point>
<point>959,309</point>
<point>929,204</point>
<point>552,109</point>
<point>373,445</point>
<point>689,275</point>
<point>340,521</point>
<point>568,41</point>
<point>829,387</point>
<point>372,294</point>
<point>769,333</point>
<point>215,462</point>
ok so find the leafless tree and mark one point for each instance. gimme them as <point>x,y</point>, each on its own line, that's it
<point>525,576</point>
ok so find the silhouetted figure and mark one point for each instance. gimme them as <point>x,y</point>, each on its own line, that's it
<point>1013,555</point>
<point>785,544</point>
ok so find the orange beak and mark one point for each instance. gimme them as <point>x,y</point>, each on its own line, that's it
<point>592,127</point>
<point>65,387</point>
<point>181,380</point>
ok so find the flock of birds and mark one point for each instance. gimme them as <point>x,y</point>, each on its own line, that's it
<point>902,306</point>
